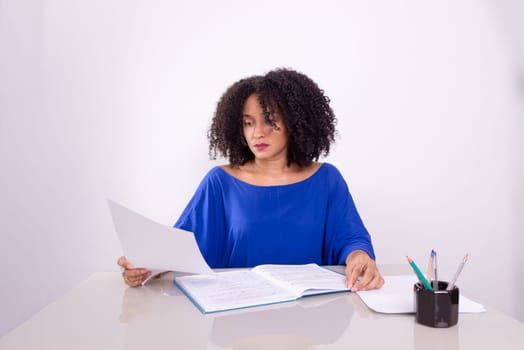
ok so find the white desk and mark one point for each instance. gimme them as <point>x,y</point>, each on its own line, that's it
<point>102,313</point>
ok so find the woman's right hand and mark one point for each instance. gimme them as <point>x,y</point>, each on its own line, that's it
<point>132,277</point>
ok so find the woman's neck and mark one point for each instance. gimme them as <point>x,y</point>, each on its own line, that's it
<point>272,167</point>
<point>269,173</point>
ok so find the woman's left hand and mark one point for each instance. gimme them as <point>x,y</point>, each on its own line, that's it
<point>358,263</point>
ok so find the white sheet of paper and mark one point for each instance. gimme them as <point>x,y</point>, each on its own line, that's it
<point>154,246</point>
<point>396,297</point>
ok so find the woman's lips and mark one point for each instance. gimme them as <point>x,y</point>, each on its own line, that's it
<point>261,146</point>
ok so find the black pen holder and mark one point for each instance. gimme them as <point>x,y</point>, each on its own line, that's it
<point>438,308</point>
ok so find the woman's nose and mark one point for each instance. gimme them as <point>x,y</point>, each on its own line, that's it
<point>259,130</point>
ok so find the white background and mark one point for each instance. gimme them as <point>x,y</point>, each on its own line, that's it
<point>111,99</point>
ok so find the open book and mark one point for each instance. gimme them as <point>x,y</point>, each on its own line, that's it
<point>261,285</point>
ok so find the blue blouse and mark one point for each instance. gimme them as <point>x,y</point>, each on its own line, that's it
<point>237,224</point>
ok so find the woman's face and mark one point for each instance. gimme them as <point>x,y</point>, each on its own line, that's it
<point>266,141</point>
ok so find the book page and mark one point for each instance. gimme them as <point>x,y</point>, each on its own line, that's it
<point>303,280</point>
<point>231,290</point>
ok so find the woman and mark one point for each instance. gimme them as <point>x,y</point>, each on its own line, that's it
<point>274,203</point>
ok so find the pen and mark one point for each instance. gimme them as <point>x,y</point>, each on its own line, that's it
<point>430,265</point>
<point>420,276</point>
<point>435,279</point>
<point>459,270</point>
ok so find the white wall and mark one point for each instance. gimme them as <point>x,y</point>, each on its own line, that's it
<point>112,99</point>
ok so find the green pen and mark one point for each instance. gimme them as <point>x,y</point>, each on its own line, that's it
<point>420,276</point>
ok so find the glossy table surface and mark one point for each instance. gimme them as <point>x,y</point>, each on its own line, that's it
<point>102,313</point>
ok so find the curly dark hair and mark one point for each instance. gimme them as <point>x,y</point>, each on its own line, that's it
<point>306,113</point>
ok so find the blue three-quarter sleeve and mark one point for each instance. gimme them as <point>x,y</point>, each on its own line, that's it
<point>204,216</point>
<point>345,230</point>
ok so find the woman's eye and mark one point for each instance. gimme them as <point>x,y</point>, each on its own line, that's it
<point>247,123</point>
<point>273,119</point>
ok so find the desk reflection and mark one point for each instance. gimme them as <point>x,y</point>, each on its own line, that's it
<point>151,314</point>
<point>303,324</point>
<point>449,337</point>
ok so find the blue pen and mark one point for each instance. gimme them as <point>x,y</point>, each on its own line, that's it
<point>430,267</point>
<point>435,279</point>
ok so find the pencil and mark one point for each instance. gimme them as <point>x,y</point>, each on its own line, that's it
<point>459,270</point>
<point>420,275</point>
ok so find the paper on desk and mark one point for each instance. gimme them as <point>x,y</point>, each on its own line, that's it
<point>155,246</point>
<point>396,297</point>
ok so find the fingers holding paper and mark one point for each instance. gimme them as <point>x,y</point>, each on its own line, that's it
<point>359,264</point>
<point>132,276</point>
